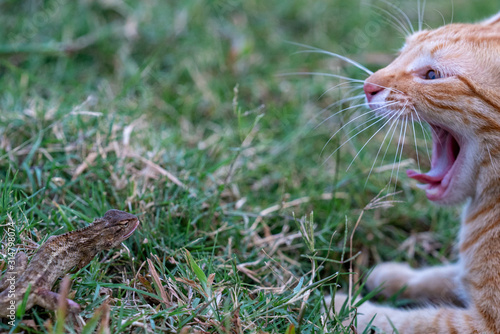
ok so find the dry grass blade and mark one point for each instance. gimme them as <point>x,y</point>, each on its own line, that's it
<point>62,304</point>
<point>377,202</point>
<point>159,286</point>
<point>104,324</point>
<point>89,160</point>
<point>162,171</point>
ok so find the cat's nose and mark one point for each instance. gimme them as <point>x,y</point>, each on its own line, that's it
<point>371,90</point>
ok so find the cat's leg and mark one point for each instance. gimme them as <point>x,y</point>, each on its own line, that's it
<point>442,320</point>
<point>435,284</point>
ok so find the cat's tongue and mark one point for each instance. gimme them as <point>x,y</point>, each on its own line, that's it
<point>444,153</point>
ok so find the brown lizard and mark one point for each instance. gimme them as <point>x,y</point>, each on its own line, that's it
<point>57,256</point>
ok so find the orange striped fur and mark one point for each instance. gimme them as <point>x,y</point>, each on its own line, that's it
<point>461,96</point>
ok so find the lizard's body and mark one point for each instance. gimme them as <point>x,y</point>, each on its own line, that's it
<point>57,256</point>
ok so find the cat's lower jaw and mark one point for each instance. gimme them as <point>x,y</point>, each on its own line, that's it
<point>447,166</point>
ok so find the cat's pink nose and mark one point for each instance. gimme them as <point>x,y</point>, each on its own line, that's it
<point>371,90</point>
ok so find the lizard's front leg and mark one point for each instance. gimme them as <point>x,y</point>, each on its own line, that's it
<point>50,300</point>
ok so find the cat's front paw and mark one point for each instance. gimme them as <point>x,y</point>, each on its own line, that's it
<point>350,314</point>
<point>338,303</point>
<point>340,300</point>
<point>391,277</point>
<point>342,307</point>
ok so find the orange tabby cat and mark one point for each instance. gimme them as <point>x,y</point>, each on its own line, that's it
<point>449,78</point>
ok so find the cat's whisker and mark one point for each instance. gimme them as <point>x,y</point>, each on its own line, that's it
<point>348,60</point>
<point>423,10</point>
<point>452,12</point>
<point>415,137</point>
<point>393,121</point>
<point>352,90</point>
<point>442,16</point>
<point>403,14</point>
<point>390,140</point>
<point>340,111</point>
<point>418,11</point>
<point>312,49</point>
<point>352,120</point>
<point>423,132</point>
<point>360,125</point>
<point>361,149</point>
<point>350,138</point>
<point>388,88</point>
<point>399,27</point>
<point>435,135</point>
<point>398,23</point>
<point>340,129</point>
<point>421,14</point>
<point>421,122</point>
<point>352,98</point>
<point>396,155</point>
<point>428,26</point>
<point>402,147</point>
<point>323,74</point>
<point>400,121</point>
<point>356,87</point>
<point>337,103</point>
<point>340,84</point>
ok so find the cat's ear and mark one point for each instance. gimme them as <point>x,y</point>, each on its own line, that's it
<point>492,20</point>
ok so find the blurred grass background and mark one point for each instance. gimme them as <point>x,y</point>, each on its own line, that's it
<point>179,112</point>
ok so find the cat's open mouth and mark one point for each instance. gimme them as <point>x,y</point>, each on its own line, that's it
<point>445,152</point>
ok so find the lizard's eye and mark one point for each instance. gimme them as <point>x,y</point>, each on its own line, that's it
<point>124,223</point>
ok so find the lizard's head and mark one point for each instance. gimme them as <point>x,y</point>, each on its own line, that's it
<point>114,227</point>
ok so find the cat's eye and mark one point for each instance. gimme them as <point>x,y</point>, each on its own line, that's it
<point>431,75</point>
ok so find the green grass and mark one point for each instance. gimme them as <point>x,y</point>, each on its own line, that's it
<point>104,104</point>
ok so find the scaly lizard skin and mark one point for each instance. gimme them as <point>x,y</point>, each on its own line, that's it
<point>57,256</point>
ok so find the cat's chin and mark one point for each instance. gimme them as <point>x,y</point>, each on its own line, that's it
<point>446,165</point>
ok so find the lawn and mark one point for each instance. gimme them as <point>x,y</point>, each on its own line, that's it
<point>198,117</point>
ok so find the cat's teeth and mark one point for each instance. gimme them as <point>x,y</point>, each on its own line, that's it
<point>432,191</point>
<point>423,186</point>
